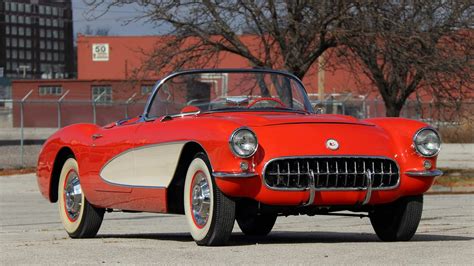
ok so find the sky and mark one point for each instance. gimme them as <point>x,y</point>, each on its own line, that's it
<point>114,20</point>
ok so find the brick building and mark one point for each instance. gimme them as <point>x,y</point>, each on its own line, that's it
<point>104,74</point>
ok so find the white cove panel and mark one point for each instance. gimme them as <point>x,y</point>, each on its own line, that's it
<point>149,166</point>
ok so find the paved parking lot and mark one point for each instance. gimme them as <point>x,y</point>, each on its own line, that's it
<point>31,233</point>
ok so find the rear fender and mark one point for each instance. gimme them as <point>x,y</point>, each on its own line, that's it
<point>69,141</point>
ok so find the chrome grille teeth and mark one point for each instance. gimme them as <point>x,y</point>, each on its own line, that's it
<point>331,173</point>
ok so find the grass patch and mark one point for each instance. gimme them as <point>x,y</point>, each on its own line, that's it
<point>456,178</point>
<point>17,171</point>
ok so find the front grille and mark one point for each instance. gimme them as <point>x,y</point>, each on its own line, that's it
<point>331,173</point>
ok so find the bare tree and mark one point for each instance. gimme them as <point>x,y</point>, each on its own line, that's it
<point>100,31</point>
<point>275,34</point>
<point>404,46</point>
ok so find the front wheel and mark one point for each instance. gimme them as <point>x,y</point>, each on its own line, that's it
<point>79,218</point>
<point>209,213</point>
<point>397,221</point>
<point>256,224</point>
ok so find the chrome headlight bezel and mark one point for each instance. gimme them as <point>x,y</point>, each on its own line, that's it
<point>232,144</point>
<point>415,144</point>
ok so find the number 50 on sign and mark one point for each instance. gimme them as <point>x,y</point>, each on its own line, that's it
<point>100,52</point>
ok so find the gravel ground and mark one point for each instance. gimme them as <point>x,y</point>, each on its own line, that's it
<point>10,156</point>
<point>30,233</point>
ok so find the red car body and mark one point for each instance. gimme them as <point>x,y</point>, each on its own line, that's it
<point>137,164</point>
<point>381,137</point>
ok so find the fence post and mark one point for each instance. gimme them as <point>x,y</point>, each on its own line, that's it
<point>94,101</point>
<point>59,108</point>
<point>127,102</point>
<point>22,133</point>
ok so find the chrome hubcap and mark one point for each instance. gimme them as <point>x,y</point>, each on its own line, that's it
<point>73,195</point>
<point>200,199</point>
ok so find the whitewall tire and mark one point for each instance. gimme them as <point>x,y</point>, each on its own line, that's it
<point>79,218</point>
<point>209,213</point>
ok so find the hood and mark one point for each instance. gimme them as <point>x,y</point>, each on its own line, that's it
<point>275,118</point>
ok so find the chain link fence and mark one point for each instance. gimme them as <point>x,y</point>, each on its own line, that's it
<point>25,124</point>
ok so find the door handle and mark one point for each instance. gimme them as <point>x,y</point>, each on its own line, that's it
<point>97,136</point>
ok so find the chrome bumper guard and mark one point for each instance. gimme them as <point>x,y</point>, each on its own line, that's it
<point>312,189</point>
<point>425,173</point>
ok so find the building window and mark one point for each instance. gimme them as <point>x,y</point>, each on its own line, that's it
<point>146,89</point>
<point>41,21</point>
<point>42,45</point>
<point>21,19</point>
<point>50,90</point>
<point>41,10</point>
<point>28,20</point>
<point>28,43</point>
<point>7,18</point>
<point>21,43</point>
<point>102,94</point>
<point>27,8</point>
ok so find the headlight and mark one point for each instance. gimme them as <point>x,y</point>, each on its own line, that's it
<point>427,142</point>
<point>243,142</point>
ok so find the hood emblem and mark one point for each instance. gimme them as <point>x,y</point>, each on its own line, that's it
<point>332,144</point>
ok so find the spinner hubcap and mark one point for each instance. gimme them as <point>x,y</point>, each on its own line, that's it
<point>72,195</point>
<point>200,199</point>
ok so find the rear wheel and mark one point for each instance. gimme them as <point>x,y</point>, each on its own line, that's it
<point>397,221</point>
<point>209,213</point>
<point>79,218</point>
<point>256,224</point>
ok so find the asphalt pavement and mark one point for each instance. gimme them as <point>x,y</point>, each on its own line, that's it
<point>30,233</point>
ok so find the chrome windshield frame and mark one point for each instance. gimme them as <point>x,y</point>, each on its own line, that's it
<point>159,83</point>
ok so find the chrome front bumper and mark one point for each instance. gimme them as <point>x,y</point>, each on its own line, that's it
<point>424,173</point>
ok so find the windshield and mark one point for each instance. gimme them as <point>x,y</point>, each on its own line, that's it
<point>236,90</point>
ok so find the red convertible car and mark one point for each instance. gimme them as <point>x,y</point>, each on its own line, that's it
<point>223,145</point>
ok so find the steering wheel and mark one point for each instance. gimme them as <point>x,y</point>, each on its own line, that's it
<point>266,99</point>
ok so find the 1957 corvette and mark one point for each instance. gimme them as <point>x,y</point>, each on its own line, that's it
<point>227,144</point>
